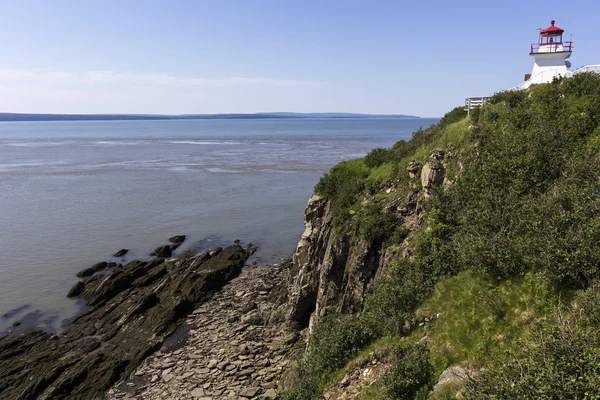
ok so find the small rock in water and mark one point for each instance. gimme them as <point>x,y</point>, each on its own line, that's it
<point>85,272</point>
<point>99,266</point>
<point>162,252</point>
<point>177,239</point>
<point>76,289</point>
<point>121,253</point>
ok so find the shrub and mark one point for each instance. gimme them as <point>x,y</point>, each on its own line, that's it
<point>375,225</point>
<point>410,374</point>
<point>336,339</point>
<point>342,185</point>
<point>377,157</point>
<point>454,115</point>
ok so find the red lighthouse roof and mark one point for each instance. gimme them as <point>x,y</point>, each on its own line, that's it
<point>552,30</point>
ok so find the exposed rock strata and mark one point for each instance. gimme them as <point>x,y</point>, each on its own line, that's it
<point>330,272</point>
<point>133,309</point>
<point>234,349</point>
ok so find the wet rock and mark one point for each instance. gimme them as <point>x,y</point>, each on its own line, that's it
<point>76,289</point>
<point>99,266</point>
<point>177,239</point>
<point>162,252</point>
<point>85,272</point>
<point>131,312</point>
<point>121,253</point>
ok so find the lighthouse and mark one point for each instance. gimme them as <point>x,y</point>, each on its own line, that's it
<point>549,55</point>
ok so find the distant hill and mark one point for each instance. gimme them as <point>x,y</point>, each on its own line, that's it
<point>120,117</point>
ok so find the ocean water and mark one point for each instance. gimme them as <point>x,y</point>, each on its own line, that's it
<point>73,193</point>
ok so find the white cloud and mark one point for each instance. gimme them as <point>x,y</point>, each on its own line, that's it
<point>108,77</point>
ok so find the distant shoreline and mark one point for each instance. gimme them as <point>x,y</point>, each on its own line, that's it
<point>18,117</point>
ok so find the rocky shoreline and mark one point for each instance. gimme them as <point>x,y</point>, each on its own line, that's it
<point>235,348</point>
<point>132,310</point>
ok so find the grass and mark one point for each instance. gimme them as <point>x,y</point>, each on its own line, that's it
<point>454,134</point>
<point>478,318</point>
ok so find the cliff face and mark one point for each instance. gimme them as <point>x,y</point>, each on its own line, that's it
<point>331,272</point>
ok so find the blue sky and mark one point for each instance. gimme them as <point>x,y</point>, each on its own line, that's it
<point>406,57</point>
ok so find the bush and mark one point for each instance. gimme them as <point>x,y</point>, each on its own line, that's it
<point>394,296</point>
<point>344,182</point>
<point>377,157</point>
<point>375,225</point>
<point>410,374</point>
<point>336,340</point>
<point>455,115</point>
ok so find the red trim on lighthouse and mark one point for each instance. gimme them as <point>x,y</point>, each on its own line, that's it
<point>552,30</point>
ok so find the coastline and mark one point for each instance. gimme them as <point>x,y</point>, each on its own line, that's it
<point>131,311</point>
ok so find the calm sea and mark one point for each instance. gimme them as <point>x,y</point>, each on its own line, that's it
<point>73,193</point>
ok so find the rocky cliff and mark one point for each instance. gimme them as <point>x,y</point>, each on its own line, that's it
<point>331,270</point>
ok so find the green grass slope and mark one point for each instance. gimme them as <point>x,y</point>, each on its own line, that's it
<point>502,277</point>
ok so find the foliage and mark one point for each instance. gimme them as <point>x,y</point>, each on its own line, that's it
<point>522,223</point>
<point>454,115</point>
<point>334,342</point>
<point>344,182</point>
<point>528,198</point>
<point>377,157</point>
<point>410,373</point>
<point>558,360</point>
<point>375,225</point>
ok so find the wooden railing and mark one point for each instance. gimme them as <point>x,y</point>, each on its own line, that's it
<point>473,102</point>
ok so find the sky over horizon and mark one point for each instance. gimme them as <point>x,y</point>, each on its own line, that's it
<point>199,57</point>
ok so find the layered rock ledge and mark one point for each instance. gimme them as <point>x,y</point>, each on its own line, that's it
<point>235,348</point>
<point>132,310</point>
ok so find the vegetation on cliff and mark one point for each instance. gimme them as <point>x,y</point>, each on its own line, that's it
<point>500,277</point>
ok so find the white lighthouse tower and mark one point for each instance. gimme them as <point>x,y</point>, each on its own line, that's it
<point>549,56</point>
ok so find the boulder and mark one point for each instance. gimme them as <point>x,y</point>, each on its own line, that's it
<point>99,266</point>
<point>162,252</point>
<point>452,374</point>
<point>76,289</point>
<point>433,172</point>
<point>121,253</point>
<point>177,239</point>
<point>85,272</point>
<point>413,168</point>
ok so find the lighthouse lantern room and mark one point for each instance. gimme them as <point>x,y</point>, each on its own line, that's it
<point>549,55</point>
